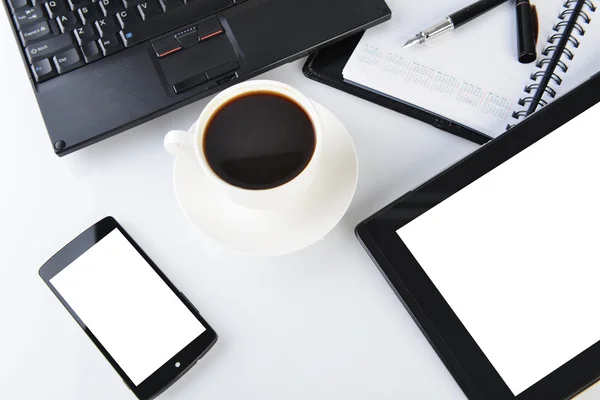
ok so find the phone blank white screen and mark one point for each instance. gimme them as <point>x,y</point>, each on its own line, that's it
<point>516,254</point>
<point>127,306</point>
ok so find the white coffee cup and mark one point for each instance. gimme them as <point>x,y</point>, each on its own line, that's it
<point>182,144</point>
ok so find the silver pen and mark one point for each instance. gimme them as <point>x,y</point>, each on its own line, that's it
<point>454,21</point>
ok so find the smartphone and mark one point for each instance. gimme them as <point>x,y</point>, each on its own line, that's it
<point>148,330</point>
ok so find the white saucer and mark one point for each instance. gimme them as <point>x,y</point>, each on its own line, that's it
<point>280,231</point>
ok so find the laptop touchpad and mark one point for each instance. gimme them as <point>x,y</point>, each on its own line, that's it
<point>186,63</point>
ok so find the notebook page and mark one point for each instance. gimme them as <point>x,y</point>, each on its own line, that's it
<point>471,75</point>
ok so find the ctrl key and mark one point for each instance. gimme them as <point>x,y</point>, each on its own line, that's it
<point>42,70</point>
<point>67,61</point>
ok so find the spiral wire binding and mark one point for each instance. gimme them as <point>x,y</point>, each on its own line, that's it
<point>545,65</point>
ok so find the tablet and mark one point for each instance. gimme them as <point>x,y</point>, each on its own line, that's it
<point>497,258</point>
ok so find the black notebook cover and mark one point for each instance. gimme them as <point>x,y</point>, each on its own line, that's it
<point>326,66</point>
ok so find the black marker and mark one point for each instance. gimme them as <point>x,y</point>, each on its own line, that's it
<point>455,20</point>
<point>527,31</point>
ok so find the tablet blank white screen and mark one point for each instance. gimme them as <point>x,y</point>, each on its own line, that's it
<point>127,306</point>
<point>516,254</point>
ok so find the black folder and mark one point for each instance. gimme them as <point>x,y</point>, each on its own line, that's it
<point>326,66</point>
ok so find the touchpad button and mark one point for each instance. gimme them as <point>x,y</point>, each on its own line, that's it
<point>190,62</point>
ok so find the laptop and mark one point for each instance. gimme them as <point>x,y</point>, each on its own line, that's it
<point>99,67</point>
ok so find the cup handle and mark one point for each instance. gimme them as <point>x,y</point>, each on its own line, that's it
<point>178,143</point>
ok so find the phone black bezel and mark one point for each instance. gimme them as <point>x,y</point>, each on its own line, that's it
<point>166,375</point>
<point>456,347</point>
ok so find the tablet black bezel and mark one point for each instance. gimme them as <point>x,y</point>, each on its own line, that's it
<point>166,375</point>
<point>453,343</point>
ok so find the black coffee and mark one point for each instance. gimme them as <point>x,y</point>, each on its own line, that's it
<point>259,141</point>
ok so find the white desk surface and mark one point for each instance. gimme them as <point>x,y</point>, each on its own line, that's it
<point>319,324</point>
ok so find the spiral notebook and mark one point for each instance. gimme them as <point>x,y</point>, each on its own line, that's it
<point>471,76</point>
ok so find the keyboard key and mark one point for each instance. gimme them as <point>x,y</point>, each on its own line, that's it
<point>110,7</point>
<point>89,14</point>
<point>85,34</point>
<point>28,15</point>
<point>149,9</point>
<point>42,70</point>
<point>131,3</point>
<point>49,47</point>
<point>56,7</point>
<point>127,18</point>
<point>164,22</point>
<point>110,44</point>
<point>91,52</point>
<point>16,4</point>
<point>168,5</point>
<point>68,21</point>
<point>38,2</point>
<point>67,61</point>
<point>106,26</point>
<point>75,4</point>
<point>34,33</point>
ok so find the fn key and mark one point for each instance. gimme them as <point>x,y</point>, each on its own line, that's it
<point>42,70</point>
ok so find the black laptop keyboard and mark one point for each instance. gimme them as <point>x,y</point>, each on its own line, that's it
<point>59,36</point>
